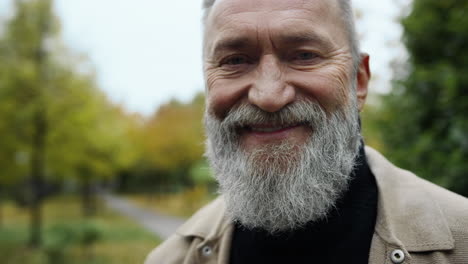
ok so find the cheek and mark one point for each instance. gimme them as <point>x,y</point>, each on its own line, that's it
<point>341,86</point>
<point>223,93</point>
<point>328,87</point>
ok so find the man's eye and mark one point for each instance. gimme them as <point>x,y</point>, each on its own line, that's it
<point>305,55</point>
<point>235,60</point>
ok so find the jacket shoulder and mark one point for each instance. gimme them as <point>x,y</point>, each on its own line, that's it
<point>171,251</point>
<point>207,223</point>
<point>417,213</point>
<point>453,206</point>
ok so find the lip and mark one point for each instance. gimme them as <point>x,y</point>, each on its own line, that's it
<point>271,136</point>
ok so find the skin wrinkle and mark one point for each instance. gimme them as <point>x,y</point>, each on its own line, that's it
<point>321,13</point>
<point>226,41</point>
<point>226,35</point>
<point>344,11</point>
<point>225,19</point>
<point>262,4</point>
<point>339,60</point>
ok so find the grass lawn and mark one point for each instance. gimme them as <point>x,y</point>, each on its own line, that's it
<point>121,240</point>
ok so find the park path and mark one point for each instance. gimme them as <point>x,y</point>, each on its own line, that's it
<point>157,223</point>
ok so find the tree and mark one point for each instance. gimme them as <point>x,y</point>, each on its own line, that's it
<point>424,117</point>
<point>173,143</point>
<point>86,139</point>
<point>13,157</point>
<point>56,123</point>
<point>26,54</point>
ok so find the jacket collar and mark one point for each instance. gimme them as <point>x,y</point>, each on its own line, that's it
<point>209,223</point>
<point>407,215</point>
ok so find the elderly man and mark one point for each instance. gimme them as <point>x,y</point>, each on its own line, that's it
<point>285,82</point>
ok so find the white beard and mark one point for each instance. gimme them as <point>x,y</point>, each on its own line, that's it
<point>283,186</point>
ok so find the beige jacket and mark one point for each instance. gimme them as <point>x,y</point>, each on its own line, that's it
<point>417,222</point>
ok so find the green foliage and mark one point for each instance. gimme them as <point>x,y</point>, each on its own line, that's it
<point>115,239</point>
<point>85,134</point>
<point>87,139</point>
<point>90,233</point>
<point>171,144</point>
<point>182,204</point>
<point>424,118</point>
<point>175,135</point>
<point>200,173</point>
<point>60,237</point>
<point>57,241</point>
<point>56,124</point>
<point>370,116</point>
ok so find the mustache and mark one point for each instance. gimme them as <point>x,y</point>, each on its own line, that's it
<point>300,112</point>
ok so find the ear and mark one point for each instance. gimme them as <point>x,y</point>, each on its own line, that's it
<point>363,78</point>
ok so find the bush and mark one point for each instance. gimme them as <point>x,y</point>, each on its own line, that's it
<point>60,237</point>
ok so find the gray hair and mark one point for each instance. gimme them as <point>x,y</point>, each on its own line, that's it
<point>348,20</point>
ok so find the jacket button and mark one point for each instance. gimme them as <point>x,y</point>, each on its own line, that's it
<point>207,251</point>
<point>397,256</point>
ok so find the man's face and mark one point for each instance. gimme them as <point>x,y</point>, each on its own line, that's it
<point>269,53</point>
<point>281,116</point>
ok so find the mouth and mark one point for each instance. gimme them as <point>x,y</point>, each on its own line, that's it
<point>259,134</point>
<point>269,129</point>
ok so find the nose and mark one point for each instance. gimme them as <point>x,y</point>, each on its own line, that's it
<point>270,91</point>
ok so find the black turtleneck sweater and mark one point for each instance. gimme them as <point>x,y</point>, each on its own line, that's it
<point>344,237</point>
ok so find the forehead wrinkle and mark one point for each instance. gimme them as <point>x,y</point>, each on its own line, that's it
<point>232,40</point>
<point>236,7</point>
<point>248,6</point>
<point>301,37</point>
<point>251,35</point>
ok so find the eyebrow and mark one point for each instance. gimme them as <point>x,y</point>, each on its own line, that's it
<point>303,37</point>
<point>230,43</point>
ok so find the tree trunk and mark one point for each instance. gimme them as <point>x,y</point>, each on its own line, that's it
<point>2,198</point>
<point>37,175</point>
<point>1,212</point>
<point>40,130</point>
<point>88,199</point>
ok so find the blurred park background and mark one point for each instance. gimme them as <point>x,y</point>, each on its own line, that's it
<point>67,144</point>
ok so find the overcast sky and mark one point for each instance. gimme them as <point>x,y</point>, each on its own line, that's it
<point>147,52</point>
